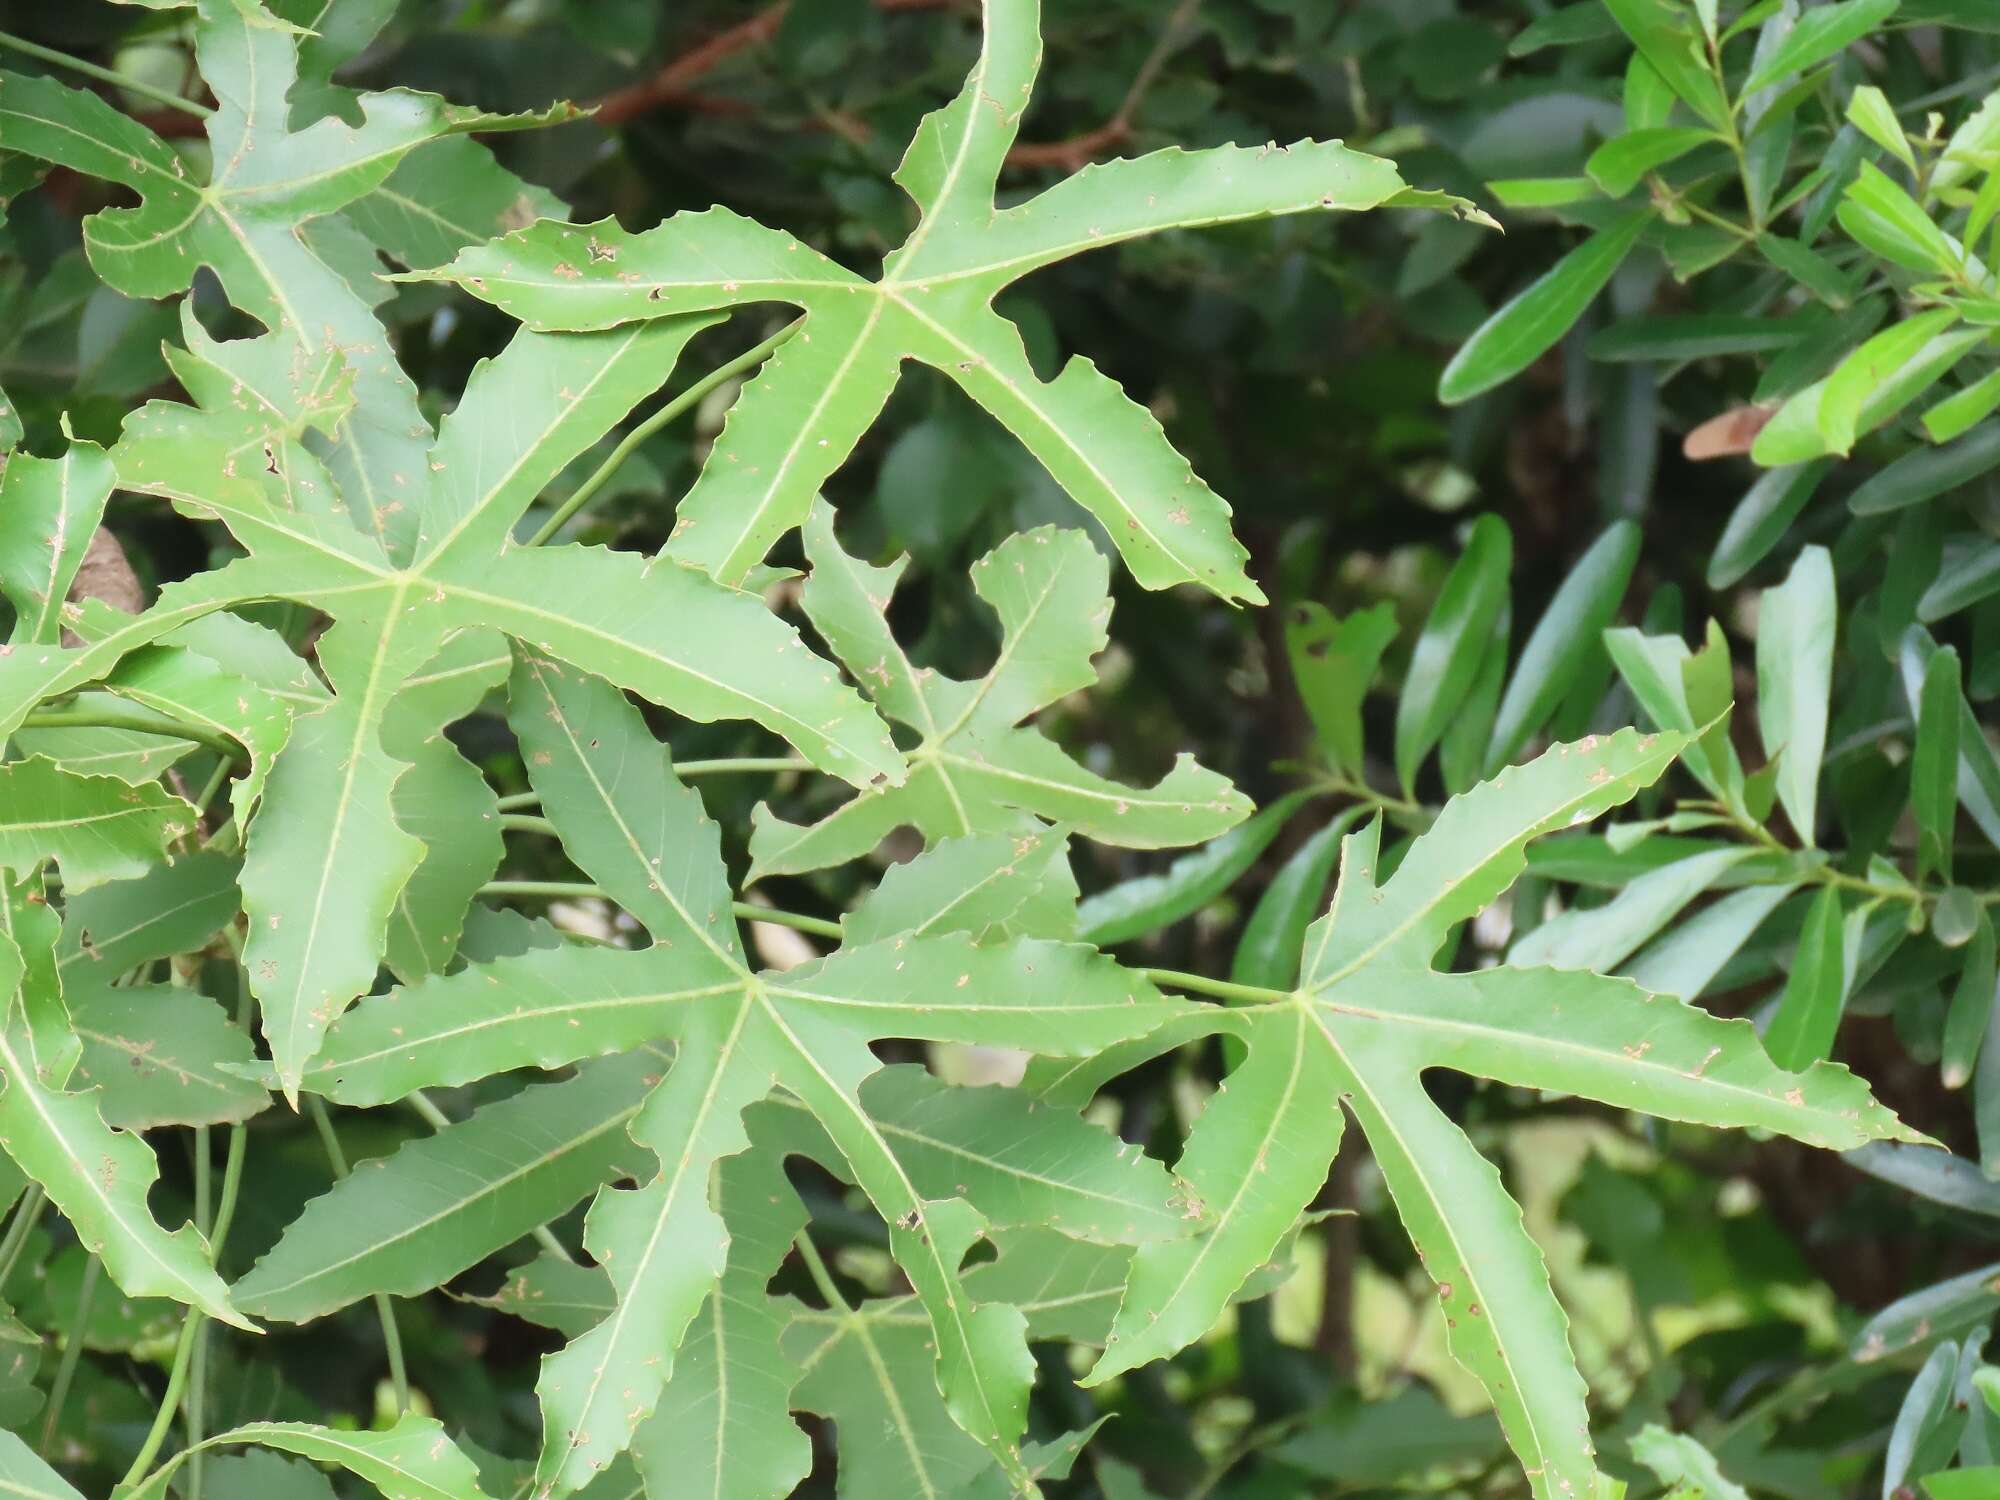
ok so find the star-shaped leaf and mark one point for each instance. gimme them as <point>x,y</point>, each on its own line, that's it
<point>798,420</point>
<point>257,221</point>
<point>1371,1015</point>
<point>625,819</point>
<point>973,771</point>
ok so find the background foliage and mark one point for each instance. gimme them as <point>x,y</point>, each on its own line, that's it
<point>1711,424</point>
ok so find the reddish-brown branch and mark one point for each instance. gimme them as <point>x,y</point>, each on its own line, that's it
<point>669,87</point>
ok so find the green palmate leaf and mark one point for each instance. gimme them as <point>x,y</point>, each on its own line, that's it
<point>1529,325</point>
<point>413,1460</point>
<point>1149,902</point>
<point>97,1176</point>
<point>443,800</point>
<point>161,1054</point>
<point>97,828</point>
<point>553,1293</point>
<point>25,1475</point>
<point>798,420</point>
<point>1795,635</point>
<point>973,770</point>
<point>411,1221</point>
<point>170,909</point>
<point>724,1425</point>
<point>1454,642</point>
<point>1678,1459</point>
<point>1371,1014</point>
<point>195,690</point>
<point>333,859</point>
<point>49,507</point>
<point>1333,665</point>
<point>268,181</point>
<point>988,885</point>
<point>1013,1159</point>
<point>623,816</point>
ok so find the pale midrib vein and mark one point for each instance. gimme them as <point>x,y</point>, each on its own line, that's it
<point>1514,844</point>
<point>18,1077</point>
<point>1528,1039</point>
<point>365,725</point>
<point>478,508</point>
<point>1007,649</point>
<point>947,1274</point>
<point>514,1018</point>
<point>1358,1079</point>
<point>808,425</point>
<point>804,731</point>
<point>724,1058</point>
<point>1249,1178</point>
<point>487,1189</point>
<point>1018,389</point>
<point>625,831</point>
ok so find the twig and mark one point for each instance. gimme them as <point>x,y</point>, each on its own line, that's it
<point>1079,151</point>
<point>672,85</point>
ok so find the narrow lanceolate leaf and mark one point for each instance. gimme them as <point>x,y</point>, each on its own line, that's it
<point>170,909</point>
<point>1934,763</point>
<point>1453,644</point>
<point>972,771</point>
<point>413,1460</point>
<point>1372,1014</point>
<point>97,828</point>
<point>49,507</point>
<point>798,420</point>
<point>1566,638</point>
<point>1795,634</point>
<point>412,1220</point>
<point>98,1177</point>
<point>1149,902</point>
<point>1808,1015</point>
<point>1529,326</point>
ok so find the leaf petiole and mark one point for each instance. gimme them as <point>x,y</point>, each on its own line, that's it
<point>103,75</point>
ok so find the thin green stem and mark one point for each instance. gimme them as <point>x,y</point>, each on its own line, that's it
<point>822,1277</point>
<point>195,1413</point>
<point>745,764</point>
<point>437,1119</point>
<point>216,779</point>
<point>524,823</point>
<point>1221,989</point>
<point>817,926</point>
<point>133,717</point>
<point>749,911</point>
<point>392,1338</point>
<point>163,1418</point>
<point>103,75</point>
<point>555,890</point>
<point>72,1352</point>
<point>588,490</point>
<point>18,1231</point>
